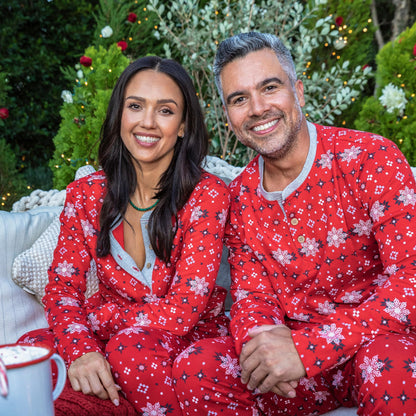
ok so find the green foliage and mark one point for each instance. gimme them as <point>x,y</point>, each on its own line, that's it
<point>76,143</point>
<point>191,33</point>
<point>396,64</point>
<point>355,39</point>
<point>36,38</point>
<point>4,89</point>
<point>355,44</point>
<point>138,34</point>
<point>12,182</point>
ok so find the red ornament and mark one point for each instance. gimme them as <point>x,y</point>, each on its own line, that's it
<point>132,17</point>
<point>4,113</point>
<point>85,61</point>
<point>339,21</point>
<point>122,45</point>
<point>414,50</point>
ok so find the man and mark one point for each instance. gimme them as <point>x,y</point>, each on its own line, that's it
<point>323,259</point>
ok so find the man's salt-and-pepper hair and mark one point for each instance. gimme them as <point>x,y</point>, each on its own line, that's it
<point>240,45</point>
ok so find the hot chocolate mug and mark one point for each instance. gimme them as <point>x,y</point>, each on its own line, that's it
<point>26,380</point>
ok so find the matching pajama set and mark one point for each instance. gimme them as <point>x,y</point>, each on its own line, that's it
<point>140,319</point>
<point>333,257</point>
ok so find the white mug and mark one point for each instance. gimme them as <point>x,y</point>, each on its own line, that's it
<point>26,380</point>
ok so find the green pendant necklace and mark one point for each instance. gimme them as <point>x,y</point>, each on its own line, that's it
<point>143,209</point>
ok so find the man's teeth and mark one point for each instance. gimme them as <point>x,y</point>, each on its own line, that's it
<point>147,139</point>
<point>265,126</point>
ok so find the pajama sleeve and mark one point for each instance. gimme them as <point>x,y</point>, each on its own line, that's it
<point>386,186</point>
<point>255,302</point>
<point>64,294</point>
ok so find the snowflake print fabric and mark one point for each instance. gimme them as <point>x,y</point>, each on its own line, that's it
<point>333,257</point>
<point>182,292</point>
<point>336,261</point>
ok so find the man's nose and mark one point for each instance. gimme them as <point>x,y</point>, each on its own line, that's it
<point>258,105</point>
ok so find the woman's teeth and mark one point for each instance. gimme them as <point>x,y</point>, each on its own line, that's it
<point>146,139</point>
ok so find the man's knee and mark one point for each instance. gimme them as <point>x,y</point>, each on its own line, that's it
<point>385,371</point>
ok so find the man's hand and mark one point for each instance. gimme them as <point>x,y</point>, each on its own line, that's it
<point>91,374</point>
<point>270,361</point>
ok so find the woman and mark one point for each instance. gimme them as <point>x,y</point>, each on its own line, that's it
<point>152,221</point>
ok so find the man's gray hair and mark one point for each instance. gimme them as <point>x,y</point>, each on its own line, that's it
<point>240,45</point>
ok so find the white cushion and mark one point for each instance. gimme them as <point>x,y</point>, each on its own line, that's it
<point>19,311</point>
<point>30,268</point>
<point>342,411</point>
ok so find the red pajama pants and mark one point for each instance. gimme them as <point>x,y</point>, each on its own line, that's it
<point>380,379</point>
<point>141,360</point>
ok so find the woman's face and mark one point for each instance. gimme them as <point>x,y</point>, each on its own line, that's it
<point>152,118</point>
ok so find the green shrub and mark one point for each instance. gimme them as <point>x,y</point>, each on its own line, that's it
<point>392,112</point>
<point>136,32</point>
<point>356,44</point>
<point>191,34</point>
<point>12,182</point>
<point>37,37</point>
<point>83,113</point>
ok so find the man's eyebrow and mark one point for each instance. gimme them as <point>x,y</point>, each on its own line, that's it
<point>162,101</point>
<point>259,85</point>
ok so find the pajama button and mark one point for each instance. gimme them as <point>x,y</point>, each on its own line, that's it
<point>294,221</point>
<point>148,265</point>
<point>301,239</point>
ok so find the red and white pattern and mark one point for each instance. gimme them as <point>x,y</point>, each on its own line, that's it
<point>183,301</point>
<point>339,267</point>
<point>337,264</point>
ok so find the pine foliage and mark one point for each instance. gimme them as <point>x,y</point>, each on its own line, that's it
<point>396,63</point>
<point>76,143</point>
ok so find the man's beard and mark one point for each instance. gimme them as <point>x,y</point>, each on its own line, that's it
<point>289,134</point>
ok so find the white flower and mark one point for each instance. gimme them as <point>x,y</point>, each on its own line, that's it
<point>393,98</point>
<point>106,32</point>
<point>340,43</point>
<point>80,74</point>
<point>67,96</point>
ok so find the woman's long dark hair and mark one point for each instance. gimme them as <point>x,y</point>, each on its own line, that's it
<point>178,181</point>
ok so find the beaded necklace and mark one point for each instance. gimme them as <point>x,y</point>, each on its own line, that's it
<point>143,209</point>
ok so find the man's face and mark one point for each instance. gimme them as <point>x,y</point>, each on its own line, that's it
<point>263,108</point>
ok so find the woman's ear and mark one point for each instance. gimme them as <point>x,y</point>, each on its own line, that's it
<point>181,131</point>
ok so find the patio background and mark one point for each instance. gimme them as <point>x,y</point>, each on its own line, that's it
<point>59,60</point>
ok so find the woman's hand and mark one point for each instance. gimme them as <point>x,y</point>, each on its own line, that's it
<point>91,374</point>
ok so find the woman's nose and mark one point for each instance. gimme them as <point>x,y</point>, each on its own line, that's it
<point>148,119</point>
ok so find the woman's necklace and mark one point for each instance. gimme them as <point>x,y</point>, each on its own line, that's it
<point>143,209</point>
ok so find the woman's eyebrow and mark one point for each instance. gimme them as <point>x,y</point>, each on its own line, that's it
<point>161,101</point>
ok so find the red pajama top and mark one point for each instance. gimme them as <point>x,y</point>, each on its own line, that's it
<point>180,294</point>
<point>336,261</point>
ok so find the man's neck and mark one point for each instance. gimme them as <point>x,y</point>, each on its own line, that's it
<point>279,173</point>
